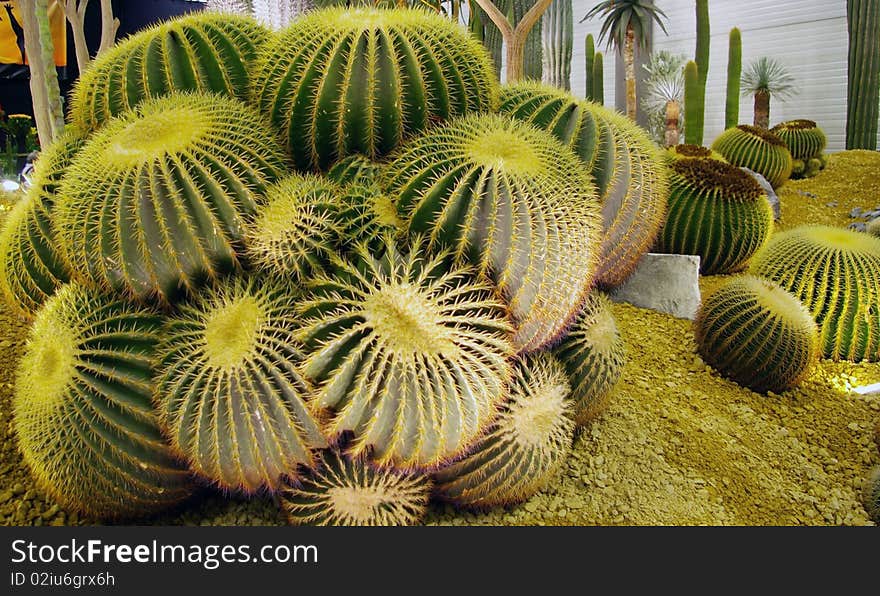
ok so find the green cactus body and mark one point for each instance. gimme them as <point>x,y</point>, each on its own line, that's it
<point>408,353</point>
<point>805,142</point>
<point>367,215</point>
<point>533,51</point>
<point>694,100</point>
<point>758,150</point>
<point>872,495</point>
<point>82,411</point>
<point>508,197</point>
<point>558,39</point>
<point>686,151</point>
<point>230,397</point>
<point>597,86</point>
<point>342,491</point>
<point>593,354</point>
<point>208,53</point>
<point>701,56</point>
<point>863,74</point>
<point>755,332</point>
<point>589,59</point>
<point>355,169</point>
<point>734,73</point>
<point>154,203</point>
<point>716,211</point>
<point>31,267</point>
<point>625,165</point>
<point>338,82</point>
<point>834,272</point>
<point>526,446</point>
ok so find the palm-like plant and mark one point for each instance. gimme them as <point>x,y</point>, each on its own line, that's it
<point>664,95</point>
<point>766,78</point>
<point>626,22</point>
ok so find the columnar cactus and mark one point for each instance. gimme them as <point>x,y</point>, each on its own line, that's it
<point>82,411</point>
<point>229,395</point>
<point>558,39</point>
<point>694,105</point>
<point>209,53</point>
<point>716,211</point>
<point>734,73</point>
<point>338,82</point>
<point>758,150</point>
<point>154,203</point>
<point>525,447</point>
<point>589,59</point>
<point>345,491</point>
<point>863,75</point>
<point>593,354</point>
<point>510,198</point>
<point>805,142</point>
<point>407,352</point>
<point>758,334</point>
<point>31,267</point>
<point>597,87</point>
<point>834,272</point>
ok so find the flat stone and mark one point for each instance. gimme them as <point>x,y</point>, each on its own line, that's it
<point>666,283</point>
<point>855,212</point>
<point>772,197</point>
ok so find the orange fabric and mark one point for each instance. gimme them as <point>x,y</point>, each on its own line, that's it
<point>11,40</point>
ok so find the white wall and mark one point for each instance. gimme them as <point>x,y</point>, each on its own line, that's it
<point>578,66</point>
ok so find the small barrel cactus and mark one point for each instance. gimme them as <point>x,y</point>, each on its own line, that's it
<point>208,53</point>
<point>806,142</point>
<point>154,203</point>
<point>407,352</point>
<point>758,334</point>
<point>836,274</point>
<point>82,411</point>
<point>593,354</point>
<point>758,150</point>
<point>230,397</point>
<point>685,151</point>
<point>511,199</point>
<point>342,491</point>
<point>355,169</point>
<point>31,267</point>
<point>367,215</point>
<point>526,446</point>
<point>339,81</point>
<point>716,211</point>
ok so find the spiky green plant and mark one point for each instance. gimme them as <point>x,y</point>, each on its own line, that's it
<point>834,272</point>
<point>407,351</point>
<point>154,203</point>
<point>345,491</point>
<point>589,59</point>
<point>82,411</point>
<point>31,267</point>
<point>716,211</point>
<point>526,445</point>
<point>766,78</point>
<point>872,495</point>
<point>557,39</point>
<point>863,73</point>
<point>758,150</point>
<point>694,105</point>
<point>511,199</point>
<point>209,53</point>
<point>593,354</point>
<point>229,393</point>
<point>757,333</point>
<point>686,151</point>
<point>355,169</point>
<point>597,87</point>
<point>805,142</point>
<point>339,81</point>
<point>734,72</point>
<point>367,215</point>
<point>626,167</point>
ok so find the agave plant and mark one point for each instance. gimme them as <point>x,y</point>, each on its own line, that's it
<point>663,95</point>
<point>765,78</point>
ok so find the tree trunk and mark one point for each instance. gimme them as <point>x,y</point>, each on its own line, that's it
<point>673,112</point>
<point>76,15</point>
<point>109,26</point>
<point>629,61</point>
<point>514,38</point>
<point>45,93</point>
<point>762,109</point>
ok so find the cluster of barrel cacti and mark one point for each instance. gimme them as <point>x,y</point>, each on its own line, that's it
<point>806,142</point>
<point>320,263</point>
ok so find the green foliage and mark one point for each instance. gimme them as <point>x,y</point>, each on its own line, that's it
<point>758,150</point>
<point>407,352</point>
<point>209,53</point>
<point>230,397</point>
<point>805,142</point>
<point>619,15</point>
<point>338,82</point>
<point>82,411</point>
<point>593,354</point>
<point>663,82</point>
<point>716,211</point>
<point>509,198</point>
<point>154,203</point>
<point>525,447</point>
<point>863,74</point>
<point>694,105</point>
<point>345,491</point>
<point>766,75</point>
<point>758,334</point>
<point>836,274</point>
<point>734,72</point>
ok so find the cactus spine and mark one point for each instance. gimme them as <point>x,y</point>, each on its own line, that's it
<point>589,59</point>
<point>734,72</point>
<point>598,81</point>
<point>693,105</point>
<point>558,38</point>
<point>863,96</point>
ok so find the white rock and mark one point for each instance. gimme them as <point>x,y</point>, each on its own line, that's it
<point>665,283</point>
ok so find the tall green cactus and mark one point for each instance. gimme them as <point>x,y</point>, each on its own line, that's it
<point>558,38</point>
<point>598,84</point>
<point>734,72</point>
<point>703,41</point>
<point>693,105</point>
<point>863,93</point>
<point>589,59</point>
<point>532,56</point>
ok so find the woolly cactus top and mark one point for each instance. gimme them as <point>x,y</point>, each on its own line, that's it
<point>800,124</point>
<point>717,178</point>
<point>690,150</point>
<point>762,134</point>
<point>836,239</point>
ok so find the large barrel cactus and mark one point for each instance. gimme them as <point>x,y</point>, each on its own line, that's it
<point>836,274</point>
<point>409,354</point>
<point>367,214</point>
<point>757,333</point>
<point>154,203</point>
<point>31,266</point>
<point>627,169</point>
<point>230,396</point>
<point>527,444</point>
<point>806,142</point>
<point>82,411</point>
<point>209,53</point>
<point>342,491</point>
<point>509,197</point>
<point>593,354</point>
<point>716,211</point>
<point>338,82</point>
<point>355,169</point>
<point>758,150</point>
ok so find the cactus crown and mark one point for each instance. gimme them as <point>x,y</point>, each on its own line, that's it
<point>690,150</point>
<point>762,134</point>
<point>800,124</point>
<point>718,179</point>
